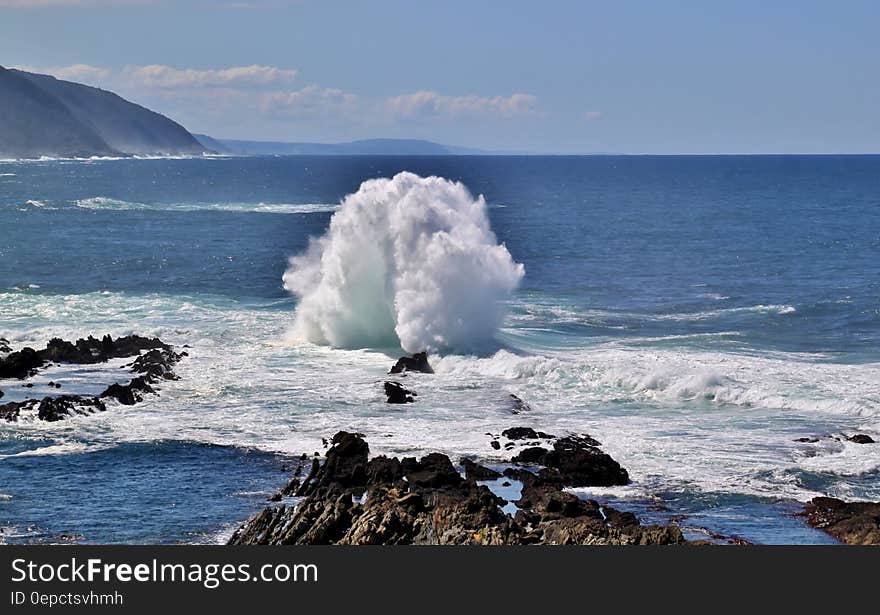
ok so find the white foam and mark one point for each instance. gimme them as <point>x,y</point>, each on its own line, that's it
<point>675,418</point>
<point>408,261</point>
<point>111,204</point>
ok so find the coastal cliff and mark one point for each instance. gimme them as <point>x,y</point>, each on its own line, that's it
<point>44,116</point>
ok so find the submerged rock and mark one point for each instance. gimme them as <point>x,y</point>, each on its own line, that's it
<point>352,499</point>
<point>12,410</point>
<point>517,405</point>
<point>58,408</point>
<point>397,394</point>
<point>853,523</point>
<point>156,364</point>
<point>128,394</point>
<point>415,363</point>
<point>526,433</point>
<point>861,438</point>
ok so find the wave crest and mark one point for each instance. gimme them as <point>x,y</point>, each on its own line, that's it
<point>407,261</point>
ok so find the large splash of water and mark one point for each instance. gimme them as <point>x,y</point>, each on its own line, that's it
<point>407,261</point>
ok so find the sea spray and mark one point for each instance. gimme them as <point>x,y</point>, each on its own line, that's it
<point>407,261</point>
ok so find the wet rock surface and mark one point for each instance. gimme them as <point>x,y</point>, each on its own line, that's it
<point>853,523</point>
<point>861,438</point>
<point>517,404</point>
<point>154,365</point>
<point>573,461</point>
<point>397,394</point>
<point>476,471</point>
<point>21,364</point>
<point>415,363</point>
<point>352,499</point>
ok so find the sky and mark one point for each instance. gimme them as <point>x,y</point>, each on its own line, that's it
<point>548,77</point>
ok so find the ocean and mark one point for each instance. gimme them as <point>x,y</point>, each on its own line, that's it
<point>695,314</point>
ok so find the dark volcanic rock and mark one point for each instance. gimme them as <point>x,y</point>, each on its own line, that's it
<point>21,364</point>
<point>416,363</point>
<point>154,365</point>
<point>475,471</point>
<point>434,470</point>
<point>58,408</point>
<point>51,409</point>
<point>128,394</point>
<point>355,500</point>
<point>344,466</point>
<point>397,394</point>
<point>92,350</point>
<point>855,523</point>
<point>575,461</point>
<point>4,346</point>
<point>861,438</point>
<point>525,433</point>
<point>12,410</point>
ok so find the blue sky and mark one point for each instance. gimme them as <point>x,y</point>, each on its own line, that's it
<point>552,76</point>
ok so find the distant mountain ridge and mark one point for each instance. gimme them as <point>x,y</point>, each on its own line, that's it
<point>44,116</point>
<point>411,147</point>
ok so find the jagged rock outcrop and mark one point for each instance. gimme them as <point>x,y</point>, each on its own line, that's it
<point>415,363</point>
<point>853,523</point>
<point>25,362</point>
<point>475,471</point>
<point>352,499</point>
<point>575,461</point>
<point>154,365</point>
<point>20,364</point>
<point>397,394</point>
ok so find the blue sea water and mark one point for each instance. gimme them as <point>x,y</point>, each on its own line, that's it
<point>696,314</point>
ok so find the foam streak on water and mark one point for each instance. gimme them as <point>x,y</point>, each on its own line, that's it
<point>679,419</point>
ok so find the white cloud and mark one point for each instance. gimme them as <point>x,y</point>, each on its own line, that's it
<point>262,96</point>
<point>428,103</point>
<point>592,115</point>
<point>83,73</point>
<point>161,76</point>
<point>310,100</point>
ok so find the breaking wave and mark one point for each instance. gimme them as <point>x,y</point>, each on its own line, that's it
<point>407,261</point>
<point>106,203</point>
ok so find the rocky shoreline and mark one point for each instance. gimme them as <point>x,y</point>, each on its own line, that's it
<point>357,500</point>
<point>852,523</point>
<point>154,362</point>
<point>352,499</point>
